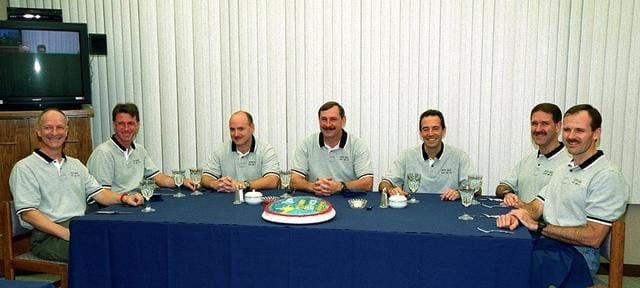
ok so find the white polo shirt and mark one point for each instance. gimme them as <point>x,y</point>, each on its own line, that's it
<point>260,161</point>
<point>449,170</point>
<point>534,171</point>
<point>592,191</point>
<point>348,161</point>
<point>59,190</point>
<point>119,169</point>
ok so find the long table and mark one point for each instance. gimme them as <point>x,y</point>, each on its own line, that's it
<point>205,241</point>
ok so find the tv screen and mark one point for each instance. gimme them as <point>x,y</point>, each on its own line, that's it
<point>44,64</point>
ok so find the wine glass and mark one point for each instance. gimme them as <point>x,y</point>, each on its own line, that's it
<point>413,181</point>
<point>146,189</point>
<point>178,179</point>
<point>285,180</point>
<point>196,176</point>
<point>466,197</point>
<point>476,184</point>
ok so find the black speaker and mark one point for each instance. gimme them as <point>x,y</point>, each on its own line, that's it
<point>98,44</point>
<point>34,14</point>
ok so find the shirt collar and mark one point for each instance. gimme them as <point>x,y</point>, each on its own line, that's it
<point>253,145</point>
<point>343,139</point>
<point>553,152</point>
<point>115,141</point>
<point>587,163</point>
<point>46,157</point>
<point>425,156</point>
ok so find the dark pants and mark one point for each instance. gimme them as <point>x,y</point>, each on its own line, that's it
<point>49,247</point>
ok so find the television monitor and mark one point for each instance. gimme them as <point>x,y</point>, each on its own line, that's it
<point>43,64</point>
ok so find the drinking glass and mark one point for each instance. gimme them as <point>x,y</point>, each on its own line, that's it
<point>285,180</point>
<point>475,181</point>
<point>196,176</point>
<point>466,197</point>
<point>178,179</point>
<point>146,189</point>
<point>413,181</point>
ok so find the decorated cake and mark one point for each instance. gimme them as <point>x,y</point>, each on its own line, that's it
<point>299,210</point>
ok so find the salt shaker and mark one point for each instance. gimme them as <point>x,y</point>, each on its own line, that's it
<point>239,197</point>
<point>384,201</point>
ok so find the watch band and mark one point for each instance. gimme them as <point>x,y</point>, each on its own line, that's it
<point>344,187</point>
<point>541,226</point>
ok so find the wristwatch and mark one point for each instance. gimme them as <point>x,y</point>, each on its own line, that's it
<point>541,226</point>
<point>344,187</point>
<point>247,185</point>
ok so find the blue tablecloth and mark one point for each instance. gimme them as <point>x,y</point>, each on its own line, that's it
<point>205,241</point>
<point>24,284</point>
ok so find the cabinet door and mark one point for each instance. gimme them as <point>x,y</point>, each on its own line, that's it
<point>14,145</point>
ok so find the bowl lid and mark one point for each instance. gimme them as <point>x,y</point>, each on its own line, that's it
<point>397,198</point>
<point>252,194</point>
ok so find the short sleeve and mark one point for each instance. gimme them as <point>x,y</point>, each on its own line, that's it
<point>607,196</point>
<point>150,168</point>
<point>214,167</point>
<point>270,163</point>
<point>395,174</point>
<point>102,166</point>
<point>301,159</point>
<point>362,161</point>
<point>511,179</point>
<point>25,188</point>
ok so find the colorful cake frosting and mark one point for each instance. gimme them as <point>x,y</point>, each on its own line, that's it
<point>299,210</point>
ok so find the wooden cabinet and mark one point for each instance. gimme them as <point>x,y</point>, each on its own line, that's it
<point>18,140</point>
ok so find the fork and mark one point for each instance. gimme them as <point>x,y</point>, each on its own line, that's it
<point>491,206</point>
<point>490,216</point>
<point>494,231</point>
<point>492,199</point>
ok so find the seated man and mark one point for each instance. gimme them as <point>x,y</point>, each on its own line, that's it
<point>50,188</point>
<point>443,168</point>
<point>577,207</point>
<point>534,171</point>
<point>331,161</point>
<point>242,161</point>
<point>119,164</point>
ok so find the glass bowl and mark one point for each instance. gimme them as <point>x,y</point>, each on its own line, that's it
<point>357,203</point>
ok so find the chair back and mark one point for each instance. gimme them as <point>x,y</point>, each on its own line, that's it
<point>10,229</point>
<point>613,250</point>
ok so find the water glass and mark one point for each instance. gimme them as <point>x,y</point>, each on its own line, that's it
<point>147,186</point>
<point>285,182</point>
<point>413,181</point>
<point>475,181</point>
<point>466,197</point>
<point>196,176</point>
<point>178,179</point>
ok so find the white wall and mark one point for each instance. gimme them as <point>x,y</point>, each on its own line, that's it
<point>189,64</point>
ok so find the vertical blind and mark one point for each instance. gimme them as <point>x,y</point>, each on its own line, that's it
<point>189,64</point>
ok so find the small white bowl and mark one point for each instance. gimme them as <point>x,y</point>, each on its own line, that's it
<point>397,201</point>
<point>253,198</point>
